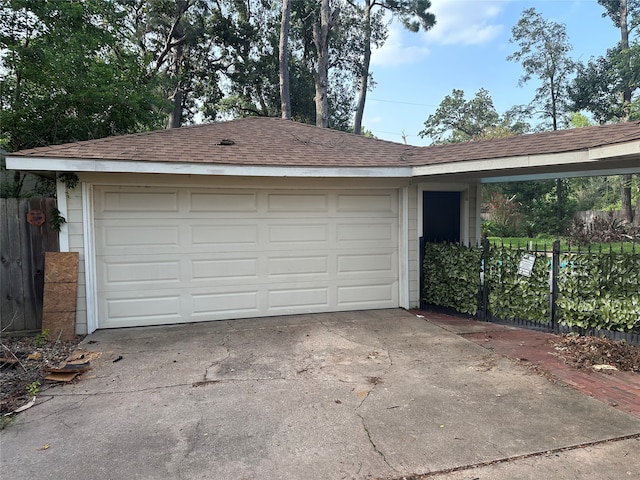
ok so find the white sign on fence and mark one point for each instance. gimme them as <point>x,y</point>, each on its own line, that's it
<point>526,264</point>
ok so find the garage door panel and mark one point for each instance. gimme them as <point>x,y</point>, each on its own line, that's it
<point>127,272</point>
<point>223,235</point>
<point>124,311</point>
<point>296,297</point>
<point>366,233</point>
<point>137,202</point>
<point>297,233</point>
<point>213,305</point>
<point>297,266</point>
<point>222,202</point>
<point>368,263</point>
<point>379,203</point>
<point>136,235</point>
<point>224,269</point>
<point>290,202</point>
<point>373,294</point>
<point>235,253</point>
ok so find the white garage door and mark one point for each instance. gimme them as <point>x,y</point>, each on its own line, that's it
<point>172,255</point>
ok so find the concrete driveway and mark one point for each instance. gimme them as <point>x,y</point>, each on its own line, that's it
<point>377,394</point>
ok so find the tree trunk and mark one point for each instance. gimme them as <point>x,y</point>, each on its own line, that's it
<point>627,209</point>
<point>560,203</point>
<point>285,96</point>
<point>625,188</point>
<point>321,34</point>
<point>364,73</point>
<point>636,218</point>
<point>175,117</point>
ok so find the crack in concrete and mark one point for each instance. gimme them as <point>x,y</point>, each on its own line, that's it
<point>524,456</point>
<point>375,448</point>
<point>366,429</point>
<point>193,385</point>
<point>217,362</point>
<point>66,408</point>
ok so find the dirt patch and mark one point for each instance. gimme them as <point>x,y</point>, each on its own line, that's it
<point>22,364</point>
<point>589,352</point>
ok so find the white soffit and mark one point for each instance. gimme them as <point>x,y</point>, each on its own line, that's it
<point>555,175</point>
<point>116,166</point>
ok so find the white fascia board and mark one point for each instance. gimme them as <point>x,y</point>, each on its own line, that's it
<point>617,150</point>
<point>492,164</point>
<point>114,166</point>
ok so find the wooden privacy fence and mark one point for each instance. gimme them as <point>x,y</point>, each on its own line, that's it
<point>25,235</point>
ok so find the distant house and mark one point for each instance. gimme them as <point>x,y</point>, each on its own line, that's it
<point>262,216</point>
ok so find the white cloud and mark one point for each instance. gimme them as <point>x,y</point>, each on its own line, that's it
<point>466,22</point>
<point>458,22</point>
<point>396,51</point>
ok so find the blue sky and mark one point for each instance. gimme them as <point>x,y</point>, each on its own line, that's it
<point>467,50</point>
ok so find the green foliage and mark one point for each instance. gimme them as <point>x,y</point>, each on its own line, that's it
<point>544,53</point>
<point>451,276</point>
<point>40,339</point>
<point>579,120</point>
<point>65,79</point>
<point>505,215</point>
<point>33,388</point>
<point>600,290</point>
<point>598,85</point>
<point>70,180</point>
<point>57,220</point>
<point>536,205</point>
<point>512,295</point>
<point>459,120</point>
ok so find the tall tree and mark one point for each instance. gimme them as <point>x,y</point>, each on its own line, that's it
<point>186,45</point>
<point>608,86</point>
<point>65,77</point>
<point>619,12</point>
<point>460,120</point>
<point>544,53</point>
<point>412,14</point>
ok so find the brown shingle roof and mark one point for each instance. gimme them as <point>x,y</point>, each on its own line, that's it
<point>277,142</point>
<point>559,141</point>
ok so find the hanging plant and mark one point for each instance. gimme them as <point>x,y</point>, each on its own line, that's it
<point>70,180</point>
<point>57,220</point>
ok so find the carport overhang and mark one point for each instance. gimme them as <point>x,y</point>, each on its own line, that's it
<point>618,159</point>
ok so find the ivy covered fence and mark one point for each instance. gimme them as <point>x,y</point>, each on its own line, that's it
<point>574,289</point>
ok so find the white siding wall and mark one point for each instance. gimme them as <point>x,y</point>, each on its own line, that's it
<point>76,244</point>
<point>414,248</point>
<point>475,221</point>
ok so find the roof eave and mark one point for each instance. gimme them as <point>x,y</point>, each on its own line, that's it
<point>176,168</point>
<point>618,159</point>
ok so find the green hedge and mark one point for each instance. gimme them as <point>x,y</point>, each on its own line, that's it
<point>600,290</point>
<point>595,290</point>
<point>452,276</point>
<point>512,295</point>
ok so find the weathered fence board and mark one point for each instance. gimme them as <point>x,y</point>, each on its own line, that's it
<point>22,263</point>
